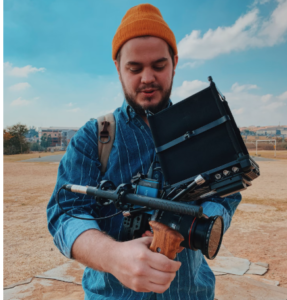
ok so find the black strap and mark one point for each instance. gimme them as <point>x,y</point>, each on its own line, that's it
<point>193,133</point>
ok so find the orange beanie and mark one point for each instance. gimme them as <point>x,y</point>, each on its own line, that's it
<point>140,20</point>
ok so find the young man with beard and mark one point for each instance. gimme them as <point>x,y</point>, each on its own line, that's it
<point>145,55</point>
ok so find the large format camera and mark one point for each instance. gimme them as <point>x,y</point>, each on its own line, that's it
<point>201,155</point>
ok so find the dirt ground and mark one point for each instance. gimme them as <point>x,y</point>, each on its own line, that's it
<point>29,248</point>
<point>282,154</point>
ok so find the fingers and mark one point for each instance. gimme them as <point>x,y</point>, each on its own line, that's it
<point>146,240</point>
<point>158,288</point>
<point>159,277</point>
<point>162,263</point>
<point>148,233</point>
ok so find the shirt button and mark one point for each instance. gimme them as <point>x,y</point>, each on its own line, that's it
<point>142,127</point>
<point>156,176</point>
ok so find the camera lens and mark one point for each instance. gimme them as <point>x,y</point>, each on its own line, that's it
<point>203,234</point>
<point>206,235</point>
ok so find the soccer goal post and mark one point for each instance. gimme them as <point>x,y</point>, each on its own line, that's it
<point>267,141</point>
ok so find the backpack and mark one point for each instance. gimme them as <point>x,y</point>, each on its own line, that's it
<point>106,133</point>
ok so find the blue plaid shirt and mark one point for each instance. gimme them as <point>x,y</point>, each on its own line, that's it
<point>132,152</point>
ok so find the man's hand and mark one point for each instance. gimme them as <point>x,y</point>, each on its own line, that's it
<point>149,233</point>
<point>131,262</point>
<point>140,269</point>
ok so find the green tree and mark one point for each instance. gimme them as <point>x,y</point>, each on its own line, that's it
<point>46,141</point>
<point>49,140</point>
<point>14,139</point>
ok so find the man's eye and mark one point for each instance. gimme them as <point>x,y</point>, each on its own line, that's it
<point>159,67</point>
<point>134,70</point>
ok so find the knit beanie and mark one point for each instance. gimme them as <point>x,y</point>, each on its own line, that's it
<point>141,20</point>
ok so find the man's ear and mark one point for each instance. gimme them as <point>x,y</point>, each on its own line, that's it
<point>117,67</point>
<point>175,63</point>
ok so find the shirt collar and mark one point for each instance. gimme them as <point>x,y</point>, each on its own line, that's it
<point>129,111</point>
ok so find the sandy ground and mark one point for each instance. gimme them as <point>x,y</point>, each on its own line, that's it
<point>29,248</point>
<point>262,236</point>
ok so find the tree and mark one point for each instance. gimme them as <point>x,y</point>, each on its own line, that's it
<point>6,136</point>
<point>14,139</point>
<point>46,140</point>
<point>32,132</point>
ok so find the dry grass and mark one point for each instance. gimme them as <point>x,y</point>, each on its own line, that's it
<point>19,157</point>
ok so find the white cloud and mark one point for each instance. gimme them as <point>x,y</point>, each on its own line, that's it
<point>266,98</point>
<point>238,111</point>
<point>20,102</point>
<point>70,104</point>
<point>247,107</point>
<point>19,86</point>
<point>236,88</point>
<point>249,31</point>
<point>20,72</point>
<point>273,106</point>
<point>118,97</point>
<point>188,88</point>
<point>192,65</point>
<point>74,110</point>
<point>256,2</point>
<point>283,96</point>
<point>105,112</point>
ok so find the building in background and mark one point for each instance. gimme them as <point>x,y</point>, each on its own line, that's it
<point>60,136</point>
<point>273,131</point>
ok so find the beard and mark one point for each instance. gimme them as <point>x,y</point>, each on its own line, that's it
<point>139,109</point>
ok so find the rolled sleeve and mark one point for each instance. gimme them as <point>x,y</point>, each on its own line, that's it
<point>80,165</point>
<point>69,231</point>
<point>224,207</point>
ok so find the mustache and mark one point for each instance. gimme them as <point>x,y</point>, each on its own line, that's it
<point>149,86</point>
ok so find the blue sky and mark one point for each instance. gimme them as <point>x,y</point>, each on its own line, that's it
<point>58,69</point>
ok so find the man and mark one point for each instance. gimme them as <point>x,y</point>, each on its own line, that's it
<point>145,55</point>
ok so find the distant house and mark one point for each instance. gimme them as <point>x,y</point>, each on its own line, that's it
<point>273,131</point>
<point>58,134</point>
<point>66,136</point>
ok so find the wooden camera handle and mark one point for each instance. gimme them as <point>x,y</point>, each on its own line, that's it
<point>165,240</point>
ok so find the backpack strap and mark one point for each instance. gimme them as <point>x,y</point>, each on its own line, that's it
<point>106,137</point>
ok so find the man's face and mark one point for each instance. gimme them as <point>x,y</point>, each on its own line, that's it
<point>146,72</point>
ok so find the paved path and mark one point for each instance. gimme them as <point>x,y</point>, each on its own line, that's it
<point>52,158</point>
<point>57,158</point>
<point>258,158</point>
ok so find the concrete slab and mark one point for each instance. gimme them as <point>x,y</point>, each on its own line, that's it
<point>46,289</point>
<point>262,264</point>
<point>262,279</point>
<point>223,251</point>
<point>256,269</point>
<point>71,271</point>
<point>51,158</point>
<point>240,287</point>
<point>62,282</point>
<point>230,265</point>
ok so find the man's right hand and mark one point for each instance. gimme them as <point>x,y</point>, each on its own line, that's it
<point>140,269</point>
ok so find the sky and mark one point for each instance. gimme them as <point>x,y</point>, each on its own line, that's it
<point>58,67</point>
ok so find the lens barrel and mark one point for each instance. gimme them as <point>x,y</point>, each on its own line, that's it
<point>206,235</point>
<point>203,234</point>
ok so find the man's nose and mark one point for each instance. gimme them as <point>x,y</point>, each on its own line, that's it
<point>147,76</point>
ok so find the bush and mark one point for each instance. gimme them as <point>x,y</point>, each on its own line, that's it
<point>36,147</point>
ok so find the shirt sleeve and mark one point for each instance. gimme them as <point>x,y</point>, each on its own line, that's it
<point>224,207</point>
<point>80,165</point>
